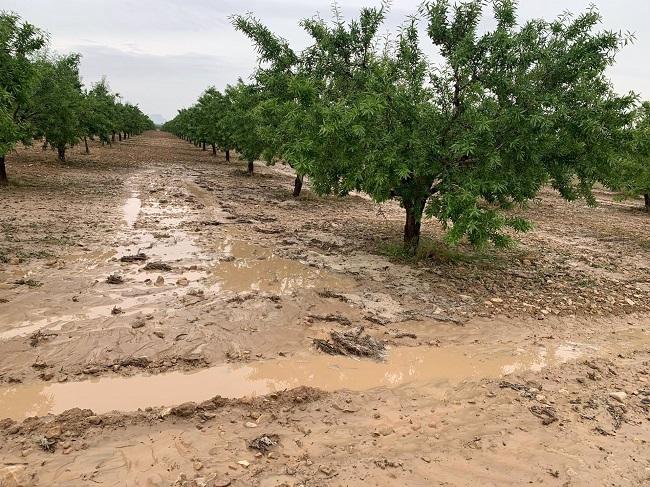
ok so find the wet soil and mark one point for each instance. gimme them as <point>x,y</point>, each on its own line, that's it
<point>507,367</point>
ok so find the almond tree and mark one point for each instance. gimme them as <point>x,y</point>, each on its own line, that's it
<point>19,43</point>
<point>502,114</point>
<point>59,101</point>
<point>632,174</point>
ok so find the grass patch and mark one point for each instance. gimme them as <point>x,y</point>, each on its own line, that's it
<point>431,250</point>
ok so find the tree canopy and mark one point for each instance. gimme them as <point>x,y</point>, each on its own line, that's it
<point>42,96</point>
<point>462,137</point>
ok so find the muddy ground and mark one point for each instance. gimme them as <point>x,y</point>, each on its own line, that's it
<point>502,367</point>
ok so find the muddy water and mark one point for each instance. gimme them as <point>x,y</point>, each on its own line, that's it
<point>435,368</point>
<point>250,267</point>
<point>132,209</point>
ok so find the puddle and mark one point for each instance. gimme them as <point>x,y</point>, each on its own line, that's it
<point>256,268</point>
<point>128,304</point>
<point>132,209</point>
<point>439,367</point>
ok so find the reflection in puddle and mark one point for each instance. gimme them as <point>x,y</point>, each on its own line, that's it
<point>132,210</point>
<point>406,366</point>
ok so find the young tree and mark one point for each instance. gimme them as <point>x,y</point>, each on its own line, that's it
<point>97,113</point>
<point>504,113</point>
<point>282,111</point>
<point>244,120</point>
<point>19,42</point>
<point>59,100</point>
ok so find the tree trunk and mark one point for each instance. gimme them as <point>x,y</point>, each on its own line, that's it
<point>251,167</point>
<point>3,170</point>
<point>646,197</point>
<point>204,145</point>
<point>227,155</point>
<point>414,210</point>
<point>120,136</point>
<point>45,145</point>
<point>297,185</point>
<point>86,142</point>
<point>113,137</point>
<point>61,152</point>
<point>214,150</point>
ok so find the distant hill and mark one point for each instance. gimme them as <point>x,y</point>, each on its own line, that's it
<point>157,118</point>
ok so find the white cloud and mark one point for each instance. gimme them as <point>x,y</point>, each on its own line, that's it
<point>163,53</point>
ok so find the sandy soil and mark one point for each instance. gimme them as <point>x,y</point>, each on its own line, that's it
<point>503,367</point>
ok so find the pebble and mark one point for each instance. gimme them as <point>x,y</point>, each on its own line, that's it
<point>244,463</point>
<point>250,424</point>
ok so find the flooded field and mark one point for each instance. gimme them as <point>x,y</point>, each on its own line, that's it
<point>180,322</point>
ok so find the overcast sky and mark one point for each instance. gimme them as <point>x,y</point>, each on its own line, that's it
<point>161,54</point>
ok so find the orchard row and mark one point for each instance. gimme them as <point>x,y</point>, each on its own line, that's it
<point>42,97</point>
<point>496,117</point>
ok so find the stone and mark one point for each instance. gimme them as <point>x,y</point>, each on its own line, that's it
<point>160,281</point>
<point>250,424</point>
<point>620,396</point>
<point>184,410</point>
<point>139,323</point>
<point>182,282</point>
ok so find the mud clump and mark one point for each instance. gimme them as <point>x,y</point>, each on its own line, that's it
<point>114,279</point>
<point>546,413</point>
<point>40,336</point>
<point>28,283</point>
<point>157,266</point>
<point>139,257</point>
<point>352,343</point>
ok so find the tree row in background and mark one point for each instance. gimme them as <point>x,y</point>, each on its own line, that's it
<point>499,116</point>
<point>42,97</point>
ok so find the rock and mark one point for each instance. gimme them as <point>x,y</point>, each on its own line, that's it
<point>14,476</point>
<point>159,334</point>
<point>244,463</point>
<point>184,410</point>
<point>497,300</point>
<point>164,413</point>
<point>328,471</point>
<point>182,282</point>
<point>250,424</point>
<point>198,466</point>
<point>14,261</point>
<point>54,432</point>
<point>426,459</point>
<point>620,396</point>
<point>94,420</point>
<point>139,323</point>
<point>160,281</point>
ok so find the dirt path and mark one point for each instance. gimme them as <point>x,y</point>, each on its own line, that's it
<point>151,274</point>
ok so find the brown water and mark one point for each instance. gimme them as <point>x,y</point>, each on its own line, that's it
<point>131,209</point>
<point>433,367</point>
<point>250,267</point>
